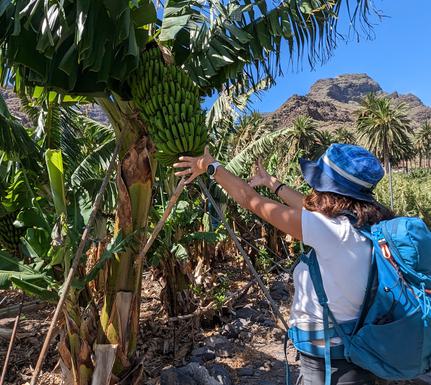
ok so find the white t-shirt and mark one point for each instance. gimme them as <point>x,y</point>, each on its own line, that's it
<point>344,257</point>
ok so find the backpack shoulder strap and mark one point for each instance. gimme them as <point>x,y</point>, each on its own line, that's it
<point>316,277</point>
<point>372,275</point>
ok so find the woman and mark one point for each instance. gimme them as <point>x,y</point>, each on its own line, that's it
<point>326,220</point>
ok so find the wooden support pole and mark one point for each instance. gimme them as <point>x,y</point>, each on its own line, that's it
<point>11,342</point>
<point>172,201</point>
<point>243,253</point>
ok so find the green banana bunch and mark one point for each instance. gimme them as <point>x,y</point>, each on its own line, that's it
<point>169,102</point>
<point>9,234</point>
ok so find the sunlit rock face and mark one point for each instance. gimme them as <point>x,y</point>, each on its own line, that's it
<point>332,103</point>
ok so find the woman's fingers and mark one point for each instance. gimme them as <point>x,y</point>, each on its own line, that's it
<point>184,172</point>
<point>182,164</point>
<point>194,166</point>
<point>186,158</point>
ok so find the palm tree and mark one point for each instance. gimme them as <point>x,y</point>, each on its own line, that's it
<point>326,138</point>
<point>249,129</point>
<point>344,135</point>
<point>91,53</point>
<point>385,130</point>
<point>404,152</point>
<point>422,142</point>
<point>304,136</point>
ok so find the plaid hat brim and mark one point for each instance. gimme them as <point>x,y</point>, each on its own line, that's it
<point>322,182</point>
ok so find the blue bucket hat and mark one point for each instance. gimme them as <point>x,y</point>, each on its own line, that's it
<point>344,169</point>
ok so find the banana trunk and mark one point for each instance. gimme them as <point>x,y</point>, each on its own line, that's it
<point>97,348</point>
<point>119,319</point>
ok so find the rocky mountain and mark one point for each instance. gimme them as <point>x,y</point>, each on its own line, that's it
<point>344,88</point>
<point>333,102</point>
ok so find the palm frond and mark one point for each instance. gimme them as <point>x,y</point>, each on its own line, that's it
<point>305,136</point>
<point>80,136</point>
<point>95,161</point>
<point>385,128</point>
<point>344,135</point>
<point>265,145</point>
<point>422,139</point>
<point>228,106</point>
<point>46,117</point>
<point>31,109</point>
<point>218,42</point>
<point>92,186</point>
<point>94,131</point>
<point>88,147</point>
<point>71,140</point>
<point>248,129</point>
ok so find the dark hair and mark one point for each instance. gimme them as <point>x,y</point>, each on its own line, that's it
<point>333,205</point>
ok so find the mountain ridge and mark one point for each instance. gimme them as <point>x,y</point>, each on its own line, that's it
<point>332,103</point>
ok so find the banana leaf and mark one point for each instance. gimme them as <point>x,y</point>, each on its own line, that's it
<point>14,273</point>
<point>54,164</point>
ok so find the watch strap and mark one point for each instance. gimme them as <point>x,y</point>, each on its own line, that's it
<point>214,166</point>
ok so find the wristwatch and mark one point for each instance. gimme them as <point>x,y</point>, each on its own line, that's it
<point>212,168</point>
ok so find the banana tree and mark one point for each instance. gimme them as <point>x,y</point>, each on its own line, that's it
<point>48,235</point>
<point>92,50</point>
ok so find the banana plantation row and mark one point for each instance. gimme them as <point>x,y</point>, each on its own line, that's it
<point>149,66</point>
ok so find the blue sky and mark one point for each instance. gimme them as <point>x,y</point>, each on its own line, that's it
<point>398,58</point>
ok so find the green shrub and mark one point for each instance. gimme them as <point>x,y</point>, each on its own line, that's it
<point>412,194</point>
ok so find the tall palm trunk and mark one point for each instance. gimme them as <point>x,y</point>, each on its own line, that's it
<point>391,189</point>
<point>388,171</point>
<point>386,159</point>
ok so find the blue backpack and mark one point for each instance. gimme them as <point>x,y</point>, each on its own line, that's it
<point>392,337</point>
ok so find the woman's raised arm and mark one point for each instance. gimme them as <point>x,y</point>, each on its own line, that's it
<point>285,218</point>
<point>285,193</point>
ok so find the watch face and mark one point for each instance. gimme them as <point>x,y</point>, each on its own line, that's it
<point>210,169</point>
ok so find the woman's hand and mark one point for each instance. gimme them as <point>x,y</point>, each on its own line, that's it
<point>194,166</point>
<point>260,177</point>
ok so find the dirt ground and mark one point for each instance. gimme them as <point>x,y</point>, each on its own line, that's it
<point>33,325</point>
<point>252,354</point>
